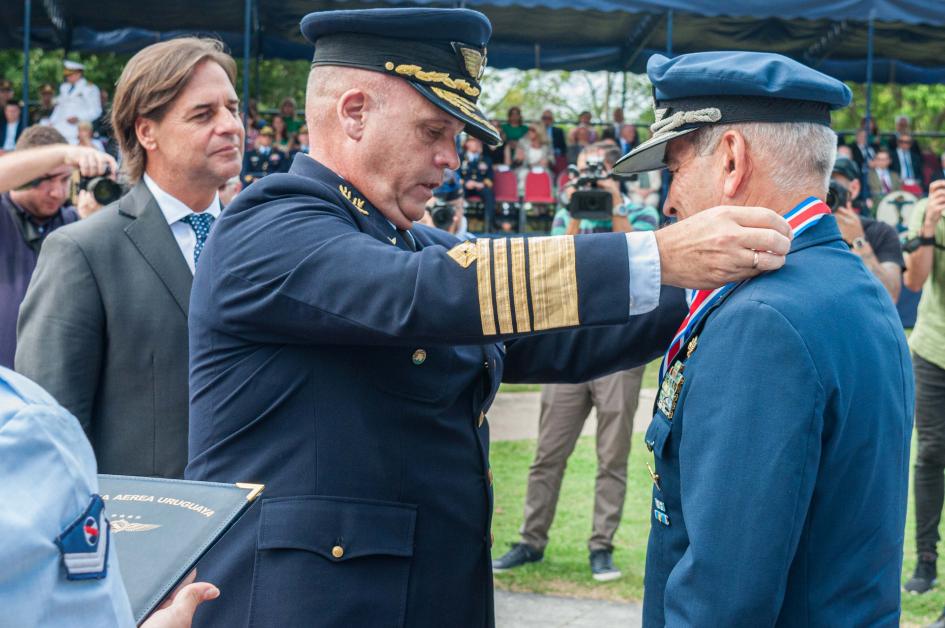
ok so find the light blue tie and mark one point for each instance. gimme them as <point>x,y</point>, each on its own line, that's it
<point>200,223</point>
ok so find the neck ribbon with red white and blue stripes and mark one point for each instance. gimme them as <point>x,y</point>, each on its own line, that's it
<point>802,217</point>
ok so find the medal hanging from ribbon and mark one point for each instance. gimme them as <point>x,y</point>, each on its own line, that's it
<point>801,218</point>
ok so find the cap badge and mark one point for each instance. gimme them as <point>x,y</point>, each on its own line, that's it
<point>474,60</point>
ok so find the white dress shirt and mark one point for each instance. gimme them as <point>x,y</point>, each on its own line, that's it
<point>174,211</point>
<point>10,139</point>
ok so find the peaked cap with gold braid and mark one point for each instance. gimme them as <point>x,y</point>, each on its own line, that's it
<point>440,52</point>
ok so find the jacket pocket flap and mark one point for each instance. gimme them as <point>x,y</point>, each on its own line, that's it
<point>657,435</point>
<point>337,528</point>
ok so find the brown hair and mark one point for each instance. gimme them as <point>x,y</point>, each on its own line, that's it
<point>39,135</point>
<point>151,81</point>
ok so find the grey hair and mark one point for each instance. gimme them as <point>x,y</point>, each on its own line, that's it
<point>799,155</point>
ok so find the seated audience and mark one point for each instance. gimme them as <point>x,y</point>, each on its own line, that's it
<point>497,153</point>
<point>514,128</point>
<point>287,110</point>
<point>264,158</point>
<point>86,139</point>
<point>559,146</point>
<point>280,138</point>
<point>537,150</point>
<point>580,138</point>
<point>40,112</point>
<point>628,139</point>
<point>475,172</point>
<point>12,126</point>
<point>882,180</point>
<point>907,160</point>
<point>584,122</point>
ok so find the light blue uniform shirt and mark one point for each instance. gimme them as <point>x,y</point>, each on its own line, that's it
<point>48,478</point>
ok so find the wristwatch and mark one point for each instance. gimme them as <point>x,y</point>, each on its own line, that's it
<point>622,210</point>
<point>858,243</point>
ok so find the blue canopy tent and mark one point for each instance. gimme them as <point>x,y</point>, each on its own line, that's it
<point>858,40</point>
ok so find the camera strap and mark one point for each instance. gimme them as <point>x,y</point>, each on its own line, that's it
<point>801,218</point>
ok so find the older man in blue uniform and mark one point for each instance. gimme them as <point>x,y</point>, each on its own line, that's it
<point>783,419</point>
<point>347,357</point>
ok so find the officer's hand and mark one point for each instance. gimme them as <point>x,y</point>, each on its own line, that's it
<point>718,245</point>
<point>178,609</point>
<point>90,161</point>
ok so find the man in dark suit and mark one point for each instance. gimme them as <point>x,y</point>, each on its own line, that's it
<point>104,323</point>
<point>558,143</point>
<point>907,160</point>
<point>346,357</point>
<point>12,126</point>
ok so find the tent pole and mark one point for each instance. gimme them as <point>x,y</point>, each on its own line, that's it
<point>27,19</point>
<point>623,93</point>
<point>669,33</point>
<point>247,27</point>
<point>869,78</point>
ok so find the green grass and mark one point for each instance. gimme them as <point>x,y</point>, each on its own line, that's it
<point>649,380</point>
<point>564,570</point>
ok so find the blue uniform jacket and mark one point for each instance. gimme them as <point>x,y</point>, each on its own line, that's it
<point>783,470</point>
<point>351,376</point>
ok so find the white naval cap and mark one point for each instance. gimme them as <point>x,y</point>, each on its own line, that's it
<point>73,65</point>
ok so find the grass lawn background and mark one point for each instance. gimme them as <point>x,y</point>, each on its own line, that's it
<point>565,570</point>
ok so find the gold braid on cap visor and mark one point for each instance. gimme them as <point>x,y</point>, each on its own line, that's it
<point>443,78</point>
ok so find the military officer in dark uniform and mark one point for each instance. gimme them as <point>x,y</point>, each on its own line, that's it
<point>783,419</point>
<point>347,357</point>
<point>475,171</point>
<point>264,158</point>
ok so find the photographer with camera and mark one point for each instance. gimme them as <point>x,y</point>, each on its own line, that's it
<point>592,200</point>
<point>874,242</point>
<point>591,197</point>
<point>35,181</point>
<point>445,208</point>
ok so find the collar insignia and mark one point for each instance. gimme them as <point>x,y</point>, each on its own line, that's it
<point>354,199</point>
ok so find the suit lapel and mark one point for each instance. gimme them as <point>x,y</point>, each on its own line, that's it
<point>152,236</point>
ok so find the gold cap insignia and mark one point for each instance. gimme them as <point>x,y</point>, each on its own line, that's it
<point>474,60</point>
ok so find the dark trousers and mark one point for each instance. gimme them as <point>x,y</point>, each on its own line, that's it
<point>930,460</point>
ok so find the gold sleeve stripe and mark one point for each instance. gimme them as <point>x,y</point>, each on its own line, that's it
<point>484,280</point>
<point>503,298</point>
<point>523,320</point>
<point>553,276</point>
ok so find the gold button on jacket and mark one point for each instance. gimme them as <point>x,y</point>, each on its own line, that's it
<point>337,551</point>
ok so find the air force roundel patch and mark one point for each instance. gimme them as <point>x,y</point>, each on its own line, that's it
<point>84,544</point>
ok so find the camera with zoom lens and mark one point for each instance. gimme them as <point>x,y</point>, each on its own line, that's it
<point>589,202</point>
<point>837,196</point>
<point>104,190</point>
<point>443,213</point>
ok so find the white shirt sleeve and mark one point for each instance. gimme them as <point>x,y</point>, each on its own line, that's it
<point>92,101</point>
<point>644,257</point>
